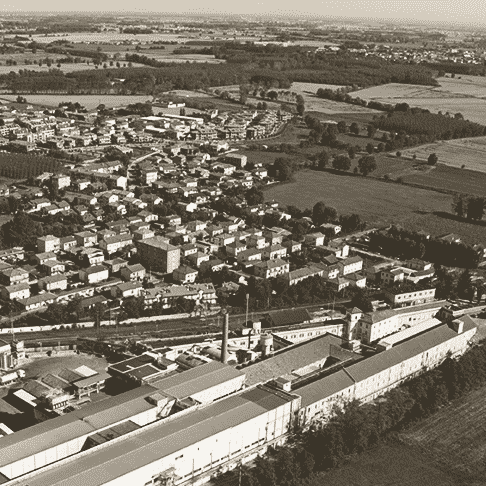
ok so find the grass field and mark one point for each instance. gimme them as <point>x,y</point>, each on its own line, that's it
<point>451,178</point>
<point>456,438</point>
<point>470,152</point>
<point>89,101</point>
<point>466,96</point>
<point>379,203</point>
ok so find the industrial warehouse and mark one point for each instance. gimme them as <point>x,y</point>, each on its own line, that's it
<point>196,423</point>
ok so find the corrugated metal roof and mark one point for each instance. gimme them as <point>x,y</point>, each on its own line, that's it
<point>296,357</point>
<point>156,442</point>
<point>197,379</point>
<point>59,430</point>
<point>381,361</point>
<point>91,380</point>
<point>326,387</point>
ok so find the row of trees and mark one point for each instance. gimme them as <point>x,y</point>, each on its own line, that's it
<point>397,242</point>
<point>470,207</point>
<point>23,166</point>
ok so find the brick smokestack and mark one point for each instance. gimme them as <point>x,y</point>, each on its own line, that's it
<point>224,343</point>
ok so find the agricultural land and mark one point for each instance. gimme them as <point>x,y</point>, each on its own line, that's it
<point>456,438</point>
<point>377,202</point>
<point>465,94</point>
<point>467,152</point>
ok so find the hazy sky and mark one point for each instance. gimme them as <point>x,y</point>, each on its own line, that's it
<point>464,11</point>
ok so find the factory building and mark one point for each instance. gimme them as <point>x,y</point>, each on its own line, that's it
<point>179,449</point>
<point>188,426</point>
<point>365,380</point>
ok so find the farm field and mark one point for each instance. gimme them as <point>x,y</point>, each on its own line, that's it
<point>377,202</point>
<point>313,103</point>
<point>455,95</point>
<point>450,178</point>
<point>388,465</point>
<point>456,438</point>
<point>470,152</point>
<point>89,101</point>
<point>298,87</point>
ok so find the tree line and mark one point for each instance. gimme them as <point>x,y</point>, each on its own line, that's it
<point>400,243</point>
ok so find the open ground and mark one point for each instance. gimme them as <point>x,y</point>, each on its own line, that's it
<point>456,438</point>
<point>377,202</point>
<point>465,94</point>
<point>470,152</point>
<point>388,465</point>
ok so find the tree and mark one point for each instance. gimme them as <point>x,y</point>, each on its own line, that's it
<point>464,287</point>
<point>432,159</point>
<point>475,208</point>
<point>460,204</point>
<point>254,196</point>
<point>352,153</point>
<point>354,128</point>
<point>318,213</point>
<point>323,159</point>
<point>370,148</point>
<point>371,129</point>
<point>243,93</point>
<point>300,105</point>
<point>367,164</point>
<point>341,162</point>
<point>55,313</point>
<point>133,307</point>
<point>362,301</point>
<point>342,127</point>
<point>284,169</point>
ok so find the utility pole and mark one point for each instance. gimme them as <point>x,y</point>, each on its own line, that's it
<point>247,299</point>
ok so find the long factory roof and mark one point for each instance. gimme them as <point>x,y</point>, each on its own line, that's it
<point>159,440</point>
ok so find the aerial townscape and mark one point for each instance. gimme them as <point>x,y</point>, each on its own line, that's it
<point>241,250</point>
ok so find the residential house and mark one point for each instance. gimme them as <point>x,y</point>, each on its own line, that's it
<point>54,282</point>
<point>275,251</point>
<point>314,239</point>
<point>94,274</point>
<point>115,243</point>
<point>42,258</point>
<point>53,267</point>
<point>15,292</point>
<point>86,238</point>
<point>133,272</point>
<point>197,258</point>
<point>271,268</point>
<point>184,275</point>
<point>48,243</point>
<point>127,289</point>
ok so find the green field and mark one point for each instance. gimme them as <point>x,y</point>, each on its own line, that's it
<point>451,178</point>
<point>456,438</point>
<point>379,203</point>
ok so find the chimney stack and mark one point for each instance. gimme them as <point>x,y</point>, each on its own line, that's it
<point>224,343</point>
<point>458,326</point>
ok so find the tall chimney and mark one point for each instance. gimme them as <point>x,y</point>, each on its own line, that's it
<point>224,344</point>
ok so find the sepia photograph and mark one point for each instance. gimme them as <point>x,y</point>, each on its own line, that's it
<point>243,244</point>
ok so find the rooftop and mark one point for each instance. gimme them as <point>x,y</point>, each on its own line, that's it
<point>154,442</point>
<point>197,379</point>
<point>297,357</point>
